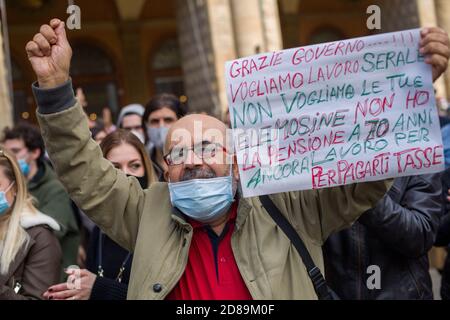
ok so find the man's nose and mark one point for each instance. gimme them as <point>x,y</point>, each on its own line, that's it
<point>193,160</point>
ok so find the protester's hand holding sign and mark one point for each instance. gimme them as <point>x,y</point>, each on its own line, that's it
<point>436,46</point>
<point>338,113</point>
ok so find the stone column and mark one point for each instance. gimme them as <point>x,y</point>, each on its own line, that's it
<point>6,111</point>
<point>256,26</point>
<point>194,33</point>
<point>443,21</point>
<point>270,16</point>
<point>426,12</point>
<point>212,32</point>
<point>223,46</point>
<point>248,27</point>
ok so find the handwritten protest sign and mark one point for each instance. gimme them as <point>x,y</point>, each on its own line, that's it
<point>333,114</point>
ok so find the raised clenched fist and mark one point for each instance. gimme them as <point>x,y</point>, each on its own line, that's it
<point>49,53</point>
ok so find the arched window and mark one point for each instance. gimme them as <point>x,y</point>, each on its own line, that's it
<point>326,34</point>
<point>166,69</point>
<point>94,71</point>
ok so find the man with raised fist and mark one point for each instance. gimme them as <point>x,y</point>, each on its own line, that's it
<point>194,237</point>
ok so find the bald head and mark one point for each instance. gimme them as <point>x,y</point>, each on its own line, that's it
<point>199,130</point>
<point>196,128</point>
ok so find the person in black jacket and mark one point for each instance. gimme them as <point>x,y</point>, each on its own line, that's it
<point>108,264</point>
<point>443,237</point>
<point>384,255</point>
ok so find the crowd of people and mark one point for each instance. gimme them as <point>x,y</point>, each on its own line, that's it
<point>145,214</point>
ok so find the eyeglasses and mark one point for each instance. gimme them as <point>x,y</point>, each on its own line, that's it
<point>204,150</point>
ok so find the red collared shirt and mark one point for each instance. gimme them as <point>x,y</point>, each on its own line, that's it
<point>211,272</point>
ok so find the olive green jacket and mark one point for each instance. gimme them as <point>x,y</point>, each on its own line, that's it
<point>145,222</point>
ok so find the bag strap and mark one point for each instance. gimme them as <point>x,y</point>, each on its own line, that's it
<point>320,286</point>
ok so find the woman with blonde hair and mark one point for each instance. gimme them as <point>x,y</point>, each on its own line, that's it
<point>30,255</point>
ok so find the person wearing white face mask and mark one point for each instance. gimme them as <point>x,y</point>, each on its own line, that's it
<point>130,118</point>
<point>161,112</point>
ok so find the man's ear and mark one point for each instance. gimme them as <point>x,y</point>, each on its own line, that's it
<point>166,175</point>
<point>236,168</point>
<point>36,154</point>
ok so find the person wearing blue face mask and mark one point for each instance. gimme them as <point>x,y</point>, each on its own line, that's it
<point>4,203</point>
<point>27,145</point>
<point>195,237</point>
<point>161,112</point>
<point>25,142</point>
<point>24,167</point>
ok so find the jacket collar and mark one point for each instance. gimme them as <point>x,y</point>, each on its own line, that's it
<point>33,219</point>
<point>180,220</point>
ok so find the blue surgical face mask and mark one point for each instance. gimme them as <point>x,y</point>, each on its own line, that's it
<point>158,136</point>
<point>24,167</point>
<point>4,204</point>
<point>203,200</point>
